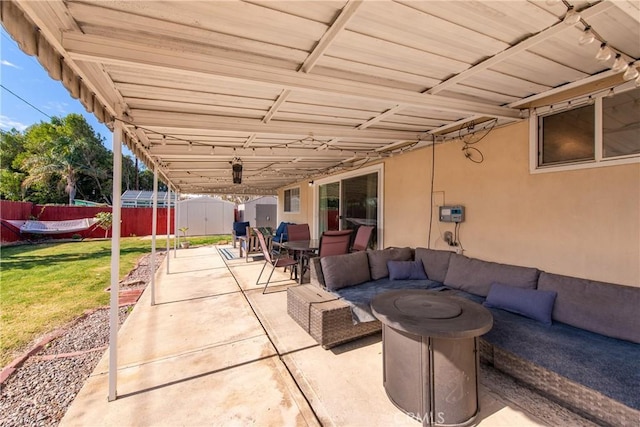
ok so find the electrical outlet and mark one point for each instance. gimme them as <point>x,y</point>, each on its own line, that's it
<point>458,250</point>
<point>448,237</point>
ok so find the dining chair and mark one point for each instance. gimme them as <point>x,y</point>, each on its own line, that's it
<point>363,238</point>
<point>334,243</point>
<point>280,261</point>
<point>331,243</point>
<point>298,232</point>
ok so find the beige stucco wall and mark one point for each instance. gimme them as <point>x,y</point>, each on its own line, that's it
<point>583,223</point>
<point>306,205</point>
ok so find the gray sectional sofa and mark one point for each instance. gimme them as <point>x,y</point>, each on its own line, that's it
<point>576,340</point>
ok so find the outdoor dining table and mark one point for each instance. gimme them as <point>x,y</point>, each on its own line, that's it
<point>301,247</point>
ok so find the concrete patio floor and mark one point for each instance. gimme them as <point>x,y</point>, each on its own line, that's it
<point>214,350</point>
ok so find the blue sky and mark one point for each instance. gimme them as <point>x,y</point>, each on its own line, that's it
<point>24,76</point>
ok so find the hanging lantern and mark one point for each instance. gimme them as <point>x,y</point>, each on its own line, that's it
<point>236,170</point>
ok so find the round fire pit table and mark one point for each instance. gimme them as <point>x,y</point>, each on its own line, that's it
<point>430,354</point>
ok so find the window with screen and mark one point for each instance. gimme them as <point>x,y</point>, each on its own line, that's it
<point>292,200</point>
<point>604,130</point>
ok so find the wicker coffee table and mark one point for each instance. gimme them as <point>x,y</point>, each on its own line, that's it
<point>430,354</point>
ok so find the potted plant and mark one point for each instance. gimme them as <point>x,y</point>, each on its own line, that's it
<point>104,220</point>
<point>184,244</point>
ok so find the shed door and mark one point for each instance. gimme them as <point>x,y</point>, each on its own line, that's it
<point>266,216</point>
<point>196,214</point>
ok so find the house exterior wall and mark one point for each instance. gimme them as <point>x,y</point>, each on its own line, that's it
<point>306,205</point>
<point>583,223</point>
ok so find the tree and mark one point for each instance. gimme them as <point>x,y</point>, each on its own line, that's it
<point>104,221</point>
<point>11,147</point>
<point>58,161</point>
<point>67,155</point>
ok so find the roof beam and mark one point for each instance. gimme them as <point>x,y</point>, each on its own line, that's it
<point>194,122</point>
<point>110,50</point>
<point>203,153</point>
<point>282,98</point>
<point>329,36</point>
<point>347,12</point>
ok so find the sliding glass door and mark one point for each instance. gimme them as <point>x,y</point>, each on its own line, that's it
<point>359,199</point>
<point>329,207</point>
<point>350,202</point>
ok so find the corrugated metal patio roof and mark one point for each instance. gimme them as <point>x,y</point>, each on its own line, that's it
<point>300,89</point>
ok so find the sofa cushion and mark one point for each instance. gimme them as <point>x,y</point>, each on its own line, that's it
<point>406,270</point>
<point>340,271</point>
<point>378,260</point>
<point>359,297</point>
<point>477,276</point>
<point>531,303</point>
<point>604,308</point>
<point>604,364</point>
<point>435,263</point>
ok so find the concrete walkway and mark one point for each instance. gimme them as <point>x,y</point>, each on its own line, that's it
<point>215,351</point>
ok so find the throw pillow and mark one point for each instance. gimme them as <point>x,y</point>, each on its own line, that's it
<point>341,271</point>
<point>406,270</point>
<point>531,303</point>
<point>378,260</point>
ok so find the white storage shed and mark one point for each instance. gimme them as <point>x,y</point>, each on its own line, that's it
<point>260,212</point>
<point>205,216</point>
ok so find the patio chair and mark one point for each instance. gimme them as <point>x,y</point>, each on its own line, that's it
<point>249,243</point>
<point>334,243</point>
<point>239,229</point>
<point>298,232</point>
<point>363,238</point>
<point>280,261</point>
<point>281,233</point>
<point>331,243</point>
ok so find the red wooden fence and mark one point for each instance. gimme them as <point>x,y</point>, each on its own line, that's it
<point>135,221</point>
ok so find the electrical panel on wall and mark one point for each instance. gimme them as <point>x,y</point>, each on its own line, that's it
<point>452,213</point>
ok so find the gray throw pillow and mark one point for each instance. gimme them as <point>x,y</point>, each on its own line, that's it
<point>378,260</point>
<point>531,303</point>
<point>435,263</point>
<point>341,271</point>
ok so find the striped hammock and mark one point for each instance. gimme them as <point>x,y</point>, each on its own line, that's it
<point>53,227</point>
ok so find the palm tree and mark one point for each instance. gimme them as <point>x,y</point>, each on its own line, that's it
<point>67,152</point>
<point>56,163</point>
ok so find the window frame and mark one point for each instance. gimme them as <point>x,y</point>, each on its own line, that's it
<point>535,145</point>
<point>284,197</point>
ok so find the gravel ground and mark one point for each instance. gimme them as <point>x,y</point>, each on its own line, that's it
<point>39,392</point>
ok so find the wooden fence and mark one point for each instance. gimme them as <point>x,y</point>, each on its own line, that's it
<point>135,221</point>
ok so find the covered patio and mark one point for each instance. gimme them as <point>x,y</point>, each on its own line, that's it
<point>441,102</point>
<point>241,360</point>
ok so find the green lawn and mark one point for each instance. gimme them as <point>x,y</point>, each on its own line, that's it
<point>45,286</point>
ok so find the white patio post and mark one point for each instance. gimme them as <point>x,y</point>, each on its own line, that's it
<point>175,228</point>
<point>115,259</point>
<point>154,225</point>
<point>167,257</point>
